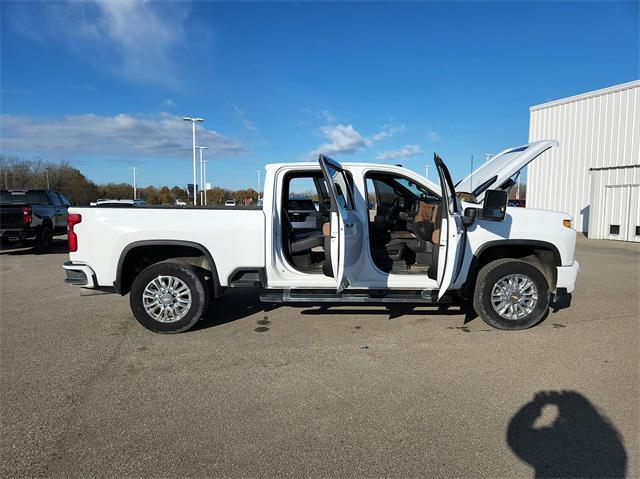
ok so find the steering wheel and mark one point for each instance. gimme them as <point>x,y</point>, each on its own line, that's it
<point>395,208</point>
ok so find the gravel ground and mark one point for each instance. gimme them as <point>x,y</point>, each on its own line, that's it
<point>257,391</point>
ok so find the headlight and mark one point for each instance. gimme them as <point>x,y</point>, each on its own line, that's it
<point>566,223</point>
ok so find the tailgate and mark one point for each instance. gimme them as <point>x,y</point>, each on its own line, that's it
<point>11,217</point>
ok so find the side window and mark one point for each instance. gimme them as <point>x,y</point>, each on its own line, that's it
<point>64,199</point>
<point>371,195</point>
<point>386,193</point>
<point>342,187</point>
<point>54,199</point>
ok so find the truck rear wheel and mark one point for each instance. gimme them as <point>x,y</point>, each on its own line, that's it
<point>169,297</point>
<point>44,240</point>
<point>511,294</point>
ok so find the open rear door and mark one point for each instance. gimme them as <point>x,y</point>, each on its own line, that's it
<point>347,242</point>
<point>451,231</point>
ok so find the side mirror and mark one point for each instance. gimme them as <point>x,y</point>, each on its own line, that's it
<point>470,215</point>
<point>494,207</point>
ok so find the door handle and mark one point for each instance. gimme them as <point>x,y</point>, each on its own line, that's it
<point>348,225</point>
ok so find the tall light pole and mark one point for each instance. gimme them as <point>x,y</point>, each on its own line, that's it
<point>488,156</point>
<point>202,186</point>
<point>259,173</point>
<point>426,171</point>
<point>205,180</point>
<point>193,131</point>
<point>135,185</point>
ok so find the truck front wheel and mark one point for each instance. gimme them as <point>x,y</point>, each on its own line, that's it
<point>169,297</point>
<point>511,294</point>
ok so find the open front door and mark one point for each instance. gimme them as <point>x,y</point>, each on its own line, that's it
<point>451,231</point>
<point>347,242</point>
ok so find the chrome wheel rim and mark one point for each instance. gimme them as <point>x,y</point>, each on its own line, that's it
<point>166,299</point>
<point>514,297</point>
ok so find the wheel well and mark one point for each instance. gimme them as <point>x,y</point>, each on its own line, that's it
<point>542,257</point>
<point>136,258</point>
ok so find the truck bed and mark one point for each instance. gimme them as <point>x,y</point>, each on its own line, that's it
<point>234,236</point>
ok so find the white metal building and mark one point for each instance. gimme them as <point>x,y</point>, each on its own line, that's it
<point>595,173</point>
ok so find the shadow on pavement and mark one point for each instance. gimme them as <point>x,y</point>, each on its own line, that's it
<point>577,441</point>
<point>21,249</point>
<point>394,311</point>
<point>235,304</point>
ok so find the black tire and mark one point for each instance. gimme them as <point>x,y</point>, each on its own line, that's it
<point>490,274</point>
<point>191,276</point>
<point>44,240</point>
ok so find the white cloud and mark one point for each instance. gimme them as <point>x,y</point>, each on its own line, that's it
<point>404,152</point>
<point>387,132</point>
<point>328,116</point>
<point>433,136</point>
<point>344,139</point>
<point>244,121</point>
<point>160,135</point>
<point>137,40</point>
<point>168,102</point>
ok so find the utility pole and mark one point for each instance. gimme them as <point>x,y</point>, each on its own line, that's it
<point>47,172</point>
<point>193,134</point>
<point>205,180</point>
<point>259,172</point>
<point>135,185</point>
<point>202,185</point>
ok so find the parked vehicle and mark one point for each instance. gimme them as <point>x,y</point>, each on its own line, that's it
<point>421,244</point>
<point>230,203</point>
<point>518,203</point>
<point>119,203</point>
<point>34,216</point>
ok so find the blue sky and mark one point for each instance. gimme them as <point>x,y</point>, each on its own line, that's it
<point>104,84</point>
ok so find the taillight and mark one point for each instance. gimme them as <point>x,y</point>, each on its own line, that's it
<point>72,220</point>
<point>26,215</point>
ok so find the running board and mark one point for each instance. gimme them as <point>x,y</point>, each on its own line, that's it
<point>297,296</point>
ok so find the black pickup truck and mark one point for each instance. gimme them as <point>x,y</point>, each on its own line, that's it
<point>32,216</point>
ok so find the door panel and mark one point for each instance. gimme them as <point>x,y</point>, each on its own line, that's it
<point>347,239</point>
<point>451,230</point>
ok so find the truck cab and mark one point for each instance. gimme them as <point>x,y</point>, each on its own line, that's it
<point>379,234</point>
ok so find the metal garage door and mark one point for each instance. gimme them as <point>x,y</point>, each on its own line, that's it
<point>622,212</point>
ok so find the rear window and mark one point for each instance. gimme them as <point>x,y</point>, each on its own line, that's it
<point>22,197</point>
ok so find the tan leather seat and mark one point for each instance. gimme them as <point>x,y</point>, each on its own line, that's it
<point>425,212</point>
<point>437,220</point>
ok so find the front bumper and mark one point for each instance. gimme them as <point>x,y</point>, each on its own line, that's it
<point>80,275</point>
<point>566,276</point>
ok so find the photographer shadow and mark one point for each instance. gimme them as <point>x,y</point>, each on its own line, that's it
<point>578,442</point>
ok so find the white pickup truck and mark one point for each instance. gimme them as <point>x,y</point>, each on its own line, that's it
<point>384,235</point>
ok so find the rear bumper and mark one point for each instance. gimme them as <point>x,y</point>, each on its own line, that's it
<point>566,277</point>
<point>17,234</point>
<point>79,275</point>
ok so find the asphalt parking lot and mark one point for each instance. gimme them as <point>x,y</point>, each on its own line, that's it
<point>257,391</point>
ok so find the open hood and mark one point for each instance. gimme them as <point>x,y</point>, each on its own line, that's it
<point>497,171</point>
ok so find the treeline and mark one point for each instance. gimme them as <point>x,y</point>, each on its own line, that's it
<point>18,173</point>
